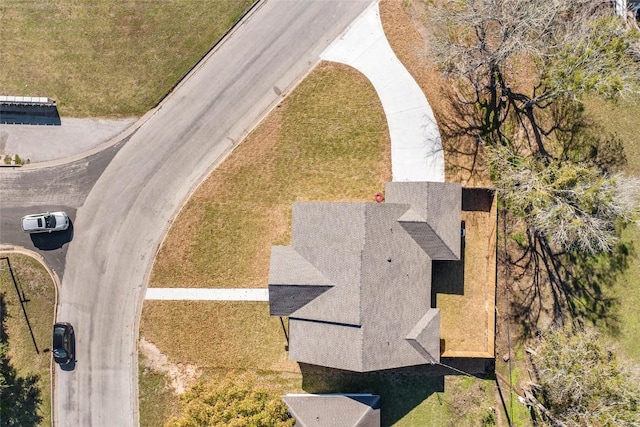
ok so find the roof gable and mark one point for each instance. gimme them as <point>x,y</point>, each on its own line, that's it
<point>421,336</point>
<point>434,218</point>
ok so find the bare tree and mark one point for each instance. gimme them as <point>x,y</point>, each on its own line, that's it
<point>580,382</point>
<point>575,205</point>
<point>519,70</point>
<point>509,60</point>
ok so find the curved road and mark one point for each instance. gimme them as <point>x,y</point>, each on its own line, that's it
<point>120,224</point>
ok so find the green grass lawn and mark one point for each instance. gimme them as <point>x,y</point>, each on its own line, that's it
<point>514,373</point>
<point>628,292</point>
<point>621,119</point>
<point>106,58</point>
<point>28,333</point>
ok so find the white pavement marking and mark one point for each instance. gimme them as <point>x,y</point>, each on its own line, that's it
<point>416,146</point>
<point>207,294</point>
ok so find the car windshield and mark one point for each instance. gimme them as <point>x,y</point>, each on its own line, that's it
<point>50,221</point>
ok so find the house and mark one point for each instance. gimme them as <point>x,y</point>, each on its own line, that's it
<point>334,410</point>
<point>356,282</point>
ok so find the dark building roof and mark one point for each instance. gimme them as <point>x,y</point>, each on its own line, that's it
<point>356,280</point>
<point>334,410</point>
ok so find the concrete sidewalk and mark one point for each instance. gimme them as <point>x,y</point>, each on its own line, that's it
<point>200,294</point>
<point>47,143</point>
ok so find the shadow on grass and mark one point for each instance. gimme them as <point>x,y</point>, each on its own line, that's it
<point>565,287</point>
<point>400,390</point>
<point>19,396</point>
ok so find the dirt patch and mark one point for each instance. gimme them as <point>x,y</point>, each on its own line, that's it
<point>181,376</point>
<point>465,289</point>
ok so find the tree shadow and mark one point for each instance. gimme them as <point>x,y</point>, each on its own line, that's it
<point>560,287</point>
<point>552,286</point>
<point>581,140</point>
<point>400,390</point>
<point>19,395</point>
<point>462,133</point>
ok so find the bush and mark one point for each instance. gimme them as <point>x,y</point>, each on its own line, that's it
<point>231,405</point>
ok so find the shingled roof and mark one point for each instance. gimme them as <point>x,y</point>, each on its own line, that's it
<point>334,410</point>
<point>356,280</point>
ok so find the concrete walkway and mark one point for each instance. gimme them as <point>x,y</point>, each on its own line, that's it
<point>199,294</point>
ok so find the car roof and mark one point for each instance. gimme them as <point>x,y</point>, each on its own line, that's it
<point>31,222</point>
<point>58,337</point>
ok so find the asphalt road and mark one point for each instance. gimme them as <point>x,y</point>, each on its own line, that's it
<point>121,222</point>
<point>57,188</point>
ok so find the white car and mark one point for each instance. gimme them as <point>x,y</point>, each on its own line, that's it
<point>45,222</point>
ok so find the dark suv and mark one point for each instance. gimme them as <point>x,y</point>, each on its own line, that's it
<point>62,343</point>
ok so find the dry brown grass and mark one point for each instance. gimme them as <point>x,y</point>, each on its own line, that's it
<point>327,141</point>
<point>217,334</point>
<point>467,314</point>
<point>38,292</point>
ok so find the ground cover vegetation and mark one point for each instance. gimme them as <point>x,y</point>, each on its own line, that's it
<point>106,58</point>
<point>521,78</point>
<point>229,404</point>
<point>27,304</point>
<point>626,293</point>
<point>581,382</point>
